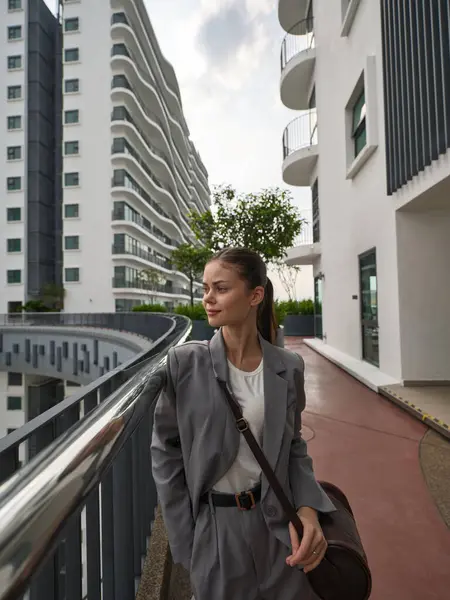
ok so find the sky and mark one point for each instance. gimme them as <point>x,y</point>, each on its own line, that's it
<point>226,55</point>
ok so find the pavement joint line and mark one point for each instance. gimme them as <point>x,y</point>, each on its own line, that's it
<point>367,428</point>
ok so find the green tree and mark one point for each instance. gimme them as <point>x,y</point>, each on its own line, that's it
<point>191,261</point>
<point>267,222</point>
<point>150,279</point>
<point>52,295</point>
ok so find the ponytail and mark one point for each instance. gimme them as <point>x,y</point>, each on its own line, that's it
<point>267,321</point>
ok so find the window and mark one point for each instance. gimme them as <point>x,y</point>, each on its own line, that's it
<point>71,116</point>
<point>14,62</point>
<point>14,378</point>
<point>72,24</point>
<point>72,274</point>
<point>71,211</point>
<point>13,184</point>
<point>72,242</point>
<point>71,179</point>
<point>14,92</point>
<point>359,124</point>
<point>119,18</point>
<point>71,55</point>
<point>14,152</point>
<point>15,32</point>
<point>71,86</point>
<point>14,276</point>
<point>14,122</point>
<point>13,214</point>
<point>14,245</point>
<point>71,148</point>
<point>13,403</point>
<point>14,4</point>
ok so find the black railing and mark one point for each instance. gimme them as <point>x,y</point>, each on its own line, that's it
<point>300,133</point>
<point>298,39</point>
<point>76,519</point>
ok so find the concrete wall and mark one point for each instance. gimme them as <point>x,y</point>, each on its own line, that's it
<point>356,214</point>
<point>424,290</point>
<point>79,355</point>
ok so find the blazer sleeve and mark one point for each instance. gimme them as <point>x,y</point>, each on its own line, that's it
<point>168,470</point>
<point>305,488</point>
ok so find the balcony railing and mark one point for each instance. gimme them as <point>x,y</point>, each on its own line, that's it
<point>298,39</point>
<point>91,453</point>
<point>300,133</point>
<point>142,253</point>
<point>141,284</point>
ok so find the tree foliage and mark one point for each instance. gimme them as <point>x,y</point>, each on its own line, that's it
<point>191,261</point>
<point>266,222</point>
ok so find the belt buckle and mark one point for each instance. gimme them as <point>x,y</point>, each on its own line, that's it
<point>242,498</point>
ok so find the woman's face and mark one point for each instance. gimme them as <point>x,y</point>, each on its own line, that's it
<point>226,297</point>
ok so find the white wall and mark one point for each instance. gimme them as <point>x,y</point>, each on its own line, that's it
<point>424,289</point>
<point>94,292</point>
<point>14,292</point>
<point>356,215</point>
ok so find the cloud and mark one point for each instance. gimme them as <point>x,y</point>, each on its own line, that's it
<point>222,33</point>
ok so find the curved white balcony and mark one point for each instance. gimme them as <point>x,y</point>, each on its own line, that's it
<point>290,11</point>
<point>300,149</point>
<point>306,249</point>
<point>298,59</point>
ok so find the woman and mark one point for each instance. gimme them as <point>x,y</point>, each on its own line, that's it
<point>223,522</point>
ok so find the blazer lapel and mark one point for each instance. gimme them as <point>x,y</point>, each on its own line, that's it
<point>275,406</point>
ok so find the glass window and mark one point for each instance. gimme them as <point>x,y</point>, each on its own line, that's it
<point>14,245</point>
<point>15,122</point>
<point>13,184</point>
<point>71,86</point>
<point>72,274</point>
<point>71,179</point>
<point>72,54</point>
<point>14,92</point>
<point>14,403</point>
<point>119,50</point>
<point>72,147</point>
<point>71,211</point>
<point>72,242</point>
<point>14,276</point>
<point>14,62</point>
<point>13,214</point>
<point>359,124</point>
<point>71,116</point>
<point>15,32</point>
<point>72,24</point>
<point>118,145</point>
<point>14,152</point>
<point>14,378</point>
<point>14,4</point>
<point>119,18</point>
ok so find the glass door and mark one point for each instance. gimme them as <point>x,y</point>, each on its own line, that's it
<point>369,307</point>
<point>318,283</point>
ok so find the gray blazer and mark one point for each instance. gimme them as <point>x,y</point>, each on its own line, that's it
<point>195,439</point>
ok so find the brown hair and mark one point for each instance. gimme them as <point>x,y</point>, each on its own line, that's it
<point>253,270</point>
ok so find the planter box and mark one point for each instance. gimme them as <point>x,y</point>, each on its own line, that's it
<point>299,325</point>
<point>201,330</point>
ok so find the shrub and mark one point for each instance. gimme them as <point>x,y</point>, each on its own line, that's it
<point>150,308</point>
<point>280,311</point>
<point>195,313</point>
<point>296,307</point>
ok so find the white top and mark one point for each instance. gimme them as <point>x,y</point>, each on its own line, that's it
<point>248,389</point>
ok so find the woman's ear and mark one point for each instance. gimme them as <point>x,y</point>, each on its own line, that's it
<point>257,296</point>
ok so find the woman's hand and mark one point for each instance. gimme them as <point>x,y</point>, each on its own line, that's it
<point>310,552</point>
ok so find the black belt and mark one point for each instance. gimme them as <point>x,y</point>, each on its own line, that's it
<point>244,501</point>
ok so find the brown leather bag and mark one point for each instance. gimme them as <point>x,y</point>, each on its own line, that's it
<point>344,573</point>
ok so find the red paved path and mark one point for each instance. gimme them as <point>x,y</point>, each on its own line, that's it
<point>370,448</point>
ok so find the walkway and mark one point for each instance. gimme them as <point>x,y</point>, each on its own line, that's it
<point>373,449</point>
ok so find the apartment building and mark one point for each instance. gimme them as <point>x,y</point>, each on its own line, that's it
<point>371,80</point>
<point>99,172</point>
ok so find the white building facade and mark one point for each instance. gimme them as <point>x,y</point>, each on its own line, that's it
<point>372,80</point>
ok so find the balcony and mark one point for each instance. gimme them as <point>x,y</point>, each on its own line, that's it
<point>298,58</point>
<point>307,245</point>
<point>300,149</point>
<point>290,11</point>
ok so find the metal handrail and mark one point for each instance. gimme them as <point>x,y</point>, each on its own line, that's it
<point>300,133</point>
<point>41,498</point>
<point>298,39</point>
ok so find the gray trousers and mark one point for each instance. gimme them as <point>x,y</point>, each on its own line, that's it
<point>236,557</point>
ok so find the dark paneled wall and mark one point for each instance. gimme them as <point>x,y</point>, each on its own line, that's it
<point>44,131</point>
<point>416,74</point>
